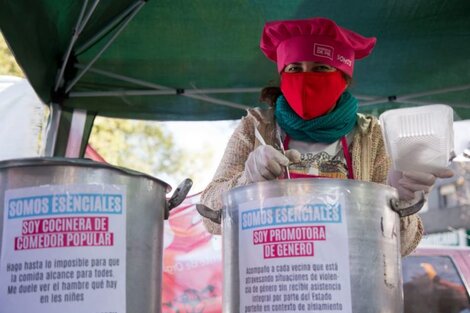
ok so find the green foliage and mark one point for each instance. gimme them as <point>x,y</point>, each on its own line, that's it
<point>144,146</point>
<point>8,65</point>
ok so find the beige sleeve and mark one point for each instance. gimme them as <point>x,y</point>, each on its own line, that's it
<point>411,232</point>
<point>230,172</point>
<point>411,227</point>
<point>381,163</point>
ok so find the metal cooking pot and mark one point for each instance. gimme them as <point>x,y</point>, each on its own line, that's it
<point>145,209</point>
<point>370,213</point>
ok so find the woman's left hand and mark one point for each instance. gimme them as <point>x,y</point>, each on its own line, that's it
<point>408,182</point>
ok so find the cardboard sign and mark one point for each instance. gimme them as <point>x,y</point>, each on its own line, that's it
<point>64,249</point>
<point>295,255</point>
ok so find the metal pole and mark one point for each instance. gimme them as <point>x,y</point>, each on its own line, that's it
<point>434,92</point>
<point>76,133</point>
<point>454,105</point>
<point>219,101</point>
<point>369,98</point>
<point>74,38</point>
<point>417,95</point>
<point>122,93</point>
<point>85,21</point>
<point>111,40</point>
<point>52,129</point>
<point>164,92</point>
<point>106,29</point>
<point>164,88</point>
<point>123,78</point>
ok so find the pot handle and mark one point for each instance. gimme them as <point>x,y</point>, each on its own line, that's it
<point>406,208</point>
<point>214,216</point>
<point>178,196</point>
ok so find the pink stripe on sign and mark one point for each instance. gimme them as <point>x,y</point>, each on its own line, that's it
<point>65,224</point>
<point>288,250</point>
<point>289,234</point>
<point>62,240</point>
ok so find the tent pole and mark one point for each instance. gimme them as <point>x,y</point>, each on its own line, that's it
<point>160,87</point>
<point>52,129</point>
<point>106,29</point>
<point>122,93</point>
<point>74,38</point>
<point>151,85</point>
<point>221,90</point>
<point>111,40</point>
<point>122,78</point>
<point>219,101</point>
<point>382,100</point>
<point>90,12</point>
<point>77,128</point>
<point>434,92</point>
<point>193,95</point>
<point>416,95</point>
<point>80,25</point>
<point>368,98</point>
<point>164,92</point>
<point>454,105</point>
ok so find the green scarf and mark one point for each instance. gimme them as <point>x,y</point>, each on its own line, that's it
<point>326,128</point>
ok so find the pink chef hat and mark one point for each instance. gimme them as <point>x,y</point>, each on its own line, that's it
<point>314,39</point>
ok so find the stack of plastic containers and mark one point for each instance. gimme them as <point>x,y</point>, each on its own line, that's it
<point>419,138</point>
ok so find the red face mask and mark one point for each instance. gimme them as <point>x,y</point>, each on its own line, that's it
<point>312,94</point>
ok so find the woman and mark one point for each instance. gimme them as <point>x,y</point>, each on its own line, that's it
<point>314,118</point>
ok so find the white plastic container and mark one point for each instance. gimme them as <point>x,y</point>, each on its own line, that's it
<point>419,138</point>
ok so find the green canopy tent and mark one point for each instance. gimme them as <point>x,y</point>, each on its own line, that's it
<point>200,60</point>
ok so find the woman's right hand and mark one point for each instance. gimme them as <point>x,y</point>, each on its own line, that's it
<point>265,163</point>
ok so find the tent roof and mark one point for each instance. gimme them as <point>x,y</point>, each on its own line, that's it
<point>200,59</point>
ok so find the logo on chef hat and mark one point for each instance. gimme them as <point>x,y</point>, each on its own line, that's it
<point>344,60</point>
<point>323,51</point>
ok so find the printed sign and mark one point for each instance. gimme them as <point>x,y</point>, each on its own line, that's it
<point>295,255</point>
<point>64,249</point>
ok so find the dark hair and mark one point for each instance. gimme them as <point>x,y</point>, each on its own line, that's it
<point>270,94</point>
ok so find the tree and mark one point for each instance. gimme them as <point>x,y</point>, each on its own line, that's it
<point>146,147</point>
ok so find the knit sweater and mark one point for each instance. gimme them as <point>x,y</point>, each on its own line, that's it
<point>369,159</point>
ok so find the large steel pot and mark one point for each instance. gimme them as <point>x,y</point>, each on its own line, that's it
<point>146,208</point>
<point>373,237</point>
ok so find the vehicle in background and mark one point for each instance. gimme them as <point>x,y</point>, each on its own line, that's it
<point>437,280</point>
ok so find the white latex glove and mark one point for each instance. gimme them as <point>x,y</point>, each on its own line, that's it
<point>408,182</point>
<point>265,163</point>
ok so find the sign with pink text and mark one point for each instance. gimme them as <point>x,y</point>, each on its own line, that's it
<point>64,249</point>
<point>294,255</point>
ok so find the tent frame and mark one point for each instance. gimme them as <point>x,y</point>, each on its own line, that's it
<point>79,118</point>
<point>77,126</point>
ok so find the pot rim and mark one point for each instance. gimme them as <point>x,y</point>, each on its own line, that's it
<point>60,161</point>
<point>318,181</point>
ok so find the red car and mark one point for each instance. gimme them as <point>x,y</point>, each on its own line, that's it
<point>437,280</point>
